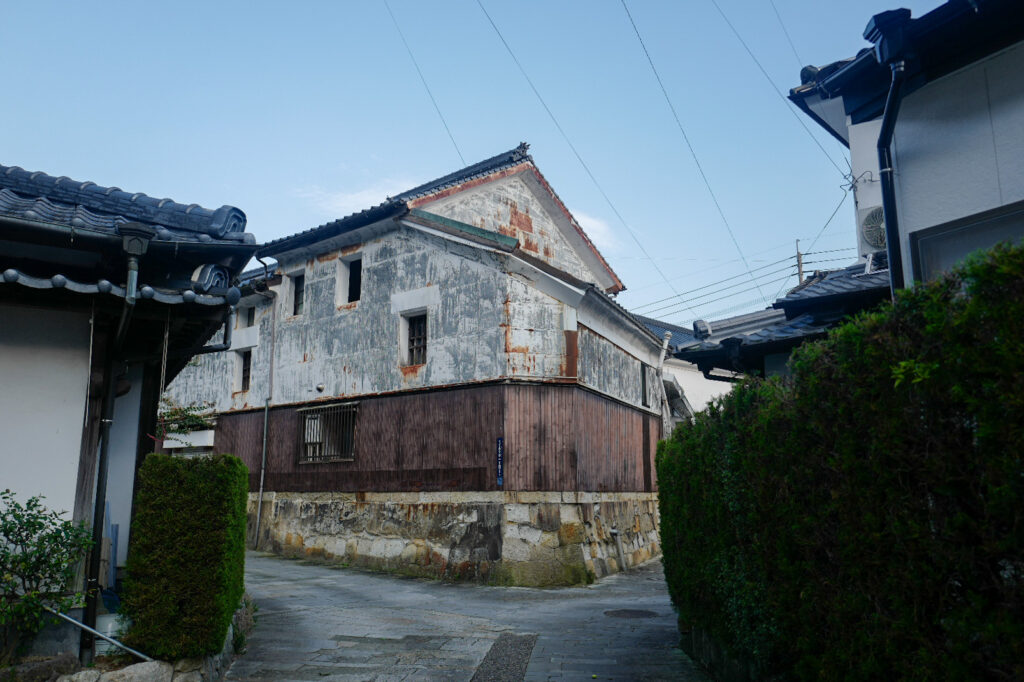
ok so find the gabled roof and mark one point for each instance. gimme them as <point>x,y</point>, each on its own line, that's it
<point>680,336</point>
<point>513,161</point>
<point>398,204</point>
<point>38,197</point>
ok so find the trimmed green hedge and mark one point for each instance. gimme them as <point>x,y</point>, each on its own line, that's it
<point>187,556</point>
<point>864,519</point>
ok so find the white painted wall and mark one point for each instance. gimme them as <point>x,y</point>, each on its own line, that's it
<point>44,374</point>
<point>124,434</point>
<point>959,145</point>
<point>698,390</point>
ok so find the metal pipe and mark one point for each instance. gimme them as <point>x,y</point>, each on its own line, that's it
<point>92,586</point>
<point>97,633</point>
<point>885,168</point>
<point>272,297</point>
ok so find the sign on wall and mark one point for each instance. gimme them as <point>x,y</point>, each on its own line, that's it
<point>501,462</point>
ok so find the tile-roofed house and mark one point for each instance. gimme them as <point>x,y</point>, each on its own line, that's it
<point>760,342</point>
<point>104,296</point>
<point>457,344</point>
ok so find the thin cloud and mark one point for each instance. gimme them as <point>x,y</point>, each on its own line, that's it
<point>599,231</point>
<point>340,203</point>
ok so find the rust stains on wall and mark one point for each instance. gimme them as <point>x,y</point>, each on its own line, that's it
<point>520,220</point>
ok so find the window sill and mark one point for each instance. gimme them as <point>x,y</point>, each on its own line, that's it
<point>348,306</point>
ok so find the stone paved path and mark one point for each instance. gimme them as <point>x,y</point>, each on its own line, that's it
<point>322,623</point>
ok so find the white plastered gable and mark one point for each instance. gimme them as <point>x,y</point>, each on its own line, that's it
<point>520,206</point>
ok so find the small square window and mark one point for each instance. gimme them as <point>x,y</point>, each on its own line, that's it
<point>417,339</point>
<point>327,434</point>
<point>245,357</point>
<point>298,293</point>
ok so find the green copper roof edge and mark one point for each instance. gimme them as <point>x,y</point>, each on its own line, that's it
<point>470,230</point>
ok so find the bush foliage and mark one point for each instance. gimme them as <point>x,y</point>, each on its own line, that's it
<point>864,518</point>
<point>39,554</point>
<point>186,561</point>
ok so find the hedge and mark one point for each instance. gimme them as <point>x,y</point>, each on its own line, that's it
<point>184,576</point>
<point>864,518</point>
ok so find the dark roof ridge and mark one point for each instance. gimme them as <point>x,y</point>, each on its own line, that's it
<point>512,156</point>
<point>115,201</point>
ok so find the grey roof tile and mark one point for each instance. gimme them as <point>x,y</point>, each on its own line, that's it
<point>849,280</point>
<point>38,197</point>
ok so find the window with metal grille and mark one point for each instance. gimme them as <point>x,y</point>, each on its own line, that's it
<point>328,434</point>
<point>643,385</point>
<point>418,339</point>
<point>298,293</point>
<point>246,359</point>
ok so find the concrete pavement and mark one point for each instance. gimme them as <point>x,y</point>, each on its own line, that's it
<point>317,622</point>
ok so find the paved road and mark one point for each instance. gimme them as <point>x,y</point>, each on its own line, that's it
<point>323,623</point>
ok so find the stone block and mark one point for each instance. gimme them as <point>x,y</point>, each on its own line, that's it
<point>546,516</point>
<point>187,665</point>
<point>517,513</point>
<point>571,534</point>
<point>81,676</point>
<point>150,671</point>
<point>569,513</point>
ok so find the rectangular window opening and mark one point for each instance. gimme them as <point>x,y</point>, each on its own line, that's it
<point>643,386</point>
<point>250,316</point>
<point>355,279</point>
<point>417,339</point>
<point>298,293</point>
<point>246,358</point>
<point>328,433</point>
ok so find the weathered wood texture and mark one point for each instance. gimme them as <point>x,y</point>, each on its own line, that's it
<point>557,437</point>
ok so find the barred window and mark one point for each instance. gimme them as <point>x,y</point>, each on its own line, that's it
<point>298,294</point>
<point>418,339</point>
<point>328,434</point>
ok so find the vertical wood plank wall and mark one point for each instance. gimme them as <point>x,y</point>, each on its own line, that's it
<point>557,437</point>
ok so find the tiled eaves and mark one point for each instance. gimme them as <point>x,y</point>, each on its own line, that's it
<point>165,296</point>
<point>680,335</point>
<point>801,327</point>
<point>37,196</point>
<point>849,280</point>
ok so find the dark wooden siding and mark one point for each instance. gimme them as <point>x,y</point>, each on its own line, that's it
<point>562,437</point>
<point>557,437</point>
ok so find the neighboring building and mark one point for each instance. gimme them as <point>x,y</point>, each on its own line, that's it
<point>760,343</point>
<point>442,384</point>
<point>97,287</point>
<point>933,116</point>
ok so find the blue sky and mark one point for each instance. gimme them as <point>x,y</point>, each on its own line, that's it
<point>302,112</point>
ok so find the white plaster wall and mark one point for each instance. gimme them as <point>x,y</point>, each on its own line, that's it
<point>44,374</point>
<point>698,390</point>
<point>959,145</point>
<point>124,434</point>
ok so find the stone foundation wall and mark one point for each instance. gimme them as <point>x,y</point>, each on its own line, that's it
<point>509,538</point>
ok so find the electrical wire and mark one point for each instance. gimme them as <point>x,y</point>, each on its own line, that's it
<point>676,304</point>
<point>716,316</point>
<point>824,227</point>
<point>735,293</point>
<point>565,137</point>
<point>778,16</point>
<point>708,286</point>
<point>693,153</point>
<point>775,89</point>
<point>424,81</point>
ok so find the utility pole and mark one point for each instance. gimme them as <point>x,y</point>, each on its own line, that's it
<point>799,264</point>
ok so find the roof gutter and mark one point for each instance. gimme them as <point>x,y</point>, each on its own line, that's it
<point>888,32</point>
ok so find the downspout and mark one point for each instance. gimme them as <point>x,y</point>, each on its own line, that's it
<point>272,297</point>
<point>135,241</point>
<point>885,167</point>
<point>666,409</point>
<point>887,31</point>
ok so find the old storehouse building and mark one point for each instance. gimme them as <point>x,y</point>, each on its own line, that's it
<point>442,384</point>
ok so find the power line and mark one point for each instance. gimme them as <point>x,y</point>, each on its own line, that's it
<point>718,313</point>
<point>733,294</point>
<point>778,16</point>
<point>842,201</point>
<point>424,81</point>
<point>689,146</point>
<point>775,89</point>
<point>708,286</point>
<point>572,146</point>
<point>677,304</point>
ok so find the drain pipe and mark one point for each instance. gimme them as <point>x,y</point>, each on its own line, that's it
<point>97,633</point>
<point>135,239</point>
<point>885,166</point>
<point>272,297</point>
<point>887,31</point>
<point>618,546</point>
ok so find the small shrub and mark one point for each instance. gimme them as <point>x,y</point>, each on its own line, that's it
<point>184,576</point>
<point>864,519</point>
<point>39,554</point>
